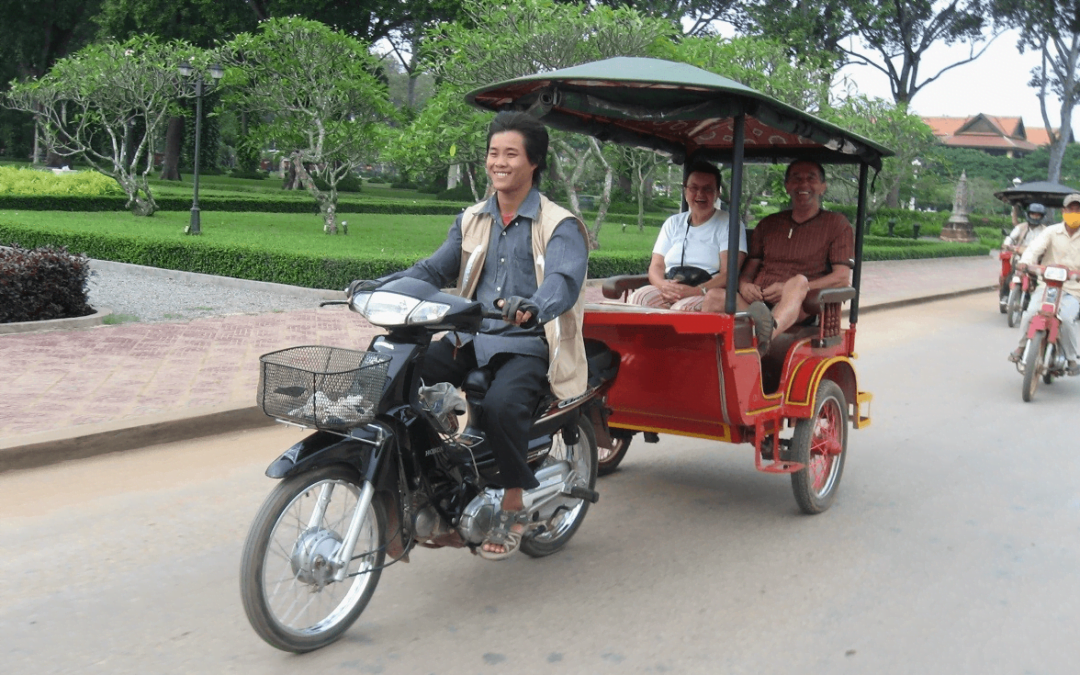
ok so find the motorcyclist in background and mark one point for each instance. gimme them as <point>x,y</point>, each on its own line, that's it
<point>1025,233</point>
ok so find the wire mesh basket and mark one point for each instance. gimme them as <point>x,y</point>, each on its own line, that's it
<point>322,387</point>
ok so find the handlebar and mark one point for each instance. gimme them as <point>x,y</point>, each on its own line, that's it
<point>1039,270</point>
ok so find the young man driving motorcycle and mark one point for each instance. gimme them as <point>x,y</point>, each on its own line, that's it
<point>1058,244</point>
<point>524,251</point>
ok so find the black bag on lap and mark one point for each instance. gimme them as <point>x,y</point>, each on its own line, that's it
<point>688,275</point>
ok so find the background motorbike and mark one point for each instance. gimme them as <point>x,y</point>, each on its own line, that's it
<point>1019,286</point>
<point>1042,356</point>
<point>390,468</point>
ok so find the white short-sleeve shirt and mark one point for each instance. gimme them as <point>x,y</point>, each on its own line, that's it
<point>703,243</point>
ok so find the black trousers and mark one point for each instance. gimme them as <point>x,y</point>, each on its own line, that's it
<point>518,385</point>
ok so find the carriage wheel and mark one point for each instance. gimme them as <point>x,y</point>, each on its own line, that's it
<point>820,444</point>
<point>609,458</point>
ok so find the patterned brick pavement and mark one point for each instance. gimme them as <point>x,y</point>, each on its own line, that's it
<point>66,379</point>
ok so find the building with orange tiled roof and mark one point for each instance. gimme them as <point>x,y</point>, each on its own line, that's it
<point>993,135</point>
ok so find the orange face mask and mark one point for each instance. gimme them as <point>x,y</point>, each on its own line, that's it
<point>1072,220</point>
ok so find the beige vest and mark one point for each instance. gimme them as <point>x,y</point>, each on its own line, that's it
<point>567,369</point>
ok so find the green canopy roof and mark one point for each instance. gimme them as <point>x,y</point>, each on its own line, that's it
<point>675,108</point>
<point>1043,192</point>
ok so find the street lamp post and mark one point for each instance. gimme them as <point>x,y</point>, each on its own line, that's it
<point>216,71</point>
<point>915,164</point>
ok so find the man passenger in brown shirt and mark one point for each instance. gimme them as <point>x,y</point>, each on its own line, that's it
<point>792,253</point>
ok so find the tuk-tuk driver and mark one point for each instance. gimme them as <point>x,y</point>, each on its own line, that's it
<point>792,253</point>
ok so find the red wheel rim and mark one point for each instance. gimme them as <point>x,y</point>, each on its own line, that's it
<point>826,444</point>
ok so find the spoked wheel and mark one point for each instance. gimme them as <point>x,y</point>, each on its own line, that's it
<point>1014,308</point>
<point>1033,357</point>
<point>286,583</point>
<point>820,443</point>
<point>582,459</point>
<point>1048,360</point>
<point>608,459</point>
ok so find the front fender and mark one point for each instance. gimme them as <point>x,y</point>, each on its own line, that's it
<point>323,448</point>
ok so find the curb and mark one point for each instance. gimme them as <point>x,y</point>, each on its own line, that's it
<point>49,448</point>
<point>95,319</point>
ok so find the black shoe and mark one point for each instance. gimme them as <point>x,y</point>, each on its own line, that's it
<point>764,323</point>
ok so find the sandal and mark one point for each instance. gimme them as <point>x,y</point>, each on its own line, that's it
<point>501,534</point>
<point>764,324</point>
<point>1016,354</point>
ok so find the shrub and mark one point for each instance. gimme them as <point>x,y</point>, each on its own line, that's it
<point>244,204</point>
<point>461,193</point>
<point>349,183</point>
<point>43,283</point>
<point>29,182</point>
<point>253,174</point>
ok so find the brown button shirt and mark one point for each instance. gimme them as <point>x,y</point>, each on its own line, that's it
<point>787,248</point>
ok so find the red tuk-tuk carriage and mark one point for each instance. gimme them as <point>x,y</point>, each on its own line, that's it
<point>699,374</point>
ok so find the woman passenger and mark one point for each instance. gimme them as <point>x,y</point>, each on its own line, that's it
<point>690,255</point>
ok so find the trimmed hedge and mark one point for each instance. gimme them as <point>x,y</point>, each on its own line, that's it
<point>41,284</point>
<point>104,203</point>
<point>199,255</point>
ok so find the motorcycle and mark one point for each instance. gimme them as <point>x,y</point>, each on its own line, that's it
<point>1021,286</point>
<point>1006,255</point>
<point>390,467</point>
<point>1041,354</point>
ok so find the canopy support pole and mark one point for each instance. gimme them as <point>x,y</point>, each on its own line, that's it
<point>734,221</point>
<point>860,228</point>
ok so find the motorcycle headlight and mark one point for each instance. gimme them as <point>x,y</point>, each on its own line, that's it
<point>383,308</point>
<point>1056,273</point>
<point>428,312</point>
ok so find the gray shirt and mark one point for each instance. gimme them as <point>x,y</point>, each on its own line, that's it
<point>508,271</point>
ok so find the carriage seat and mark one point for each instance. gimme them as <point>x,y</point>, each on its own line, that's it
<point>622,285</point>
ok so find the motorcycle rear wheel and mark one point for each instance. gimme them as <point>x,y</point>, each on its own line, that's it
<point>583,458</point>
<point>1034,356</point>
<point>1014,308</point>
<point>288,595</point>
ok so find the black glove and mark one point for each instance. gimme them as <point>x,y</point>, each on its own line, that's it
<point>362,286</point>
<point>514,304</point>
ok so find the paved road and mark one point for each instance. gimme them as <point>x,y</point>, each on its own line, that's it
<point>953,547</point>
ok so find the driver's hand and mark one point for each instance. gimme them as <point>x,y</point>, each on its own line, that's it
<point>519,311</point>
<point>361,286</point>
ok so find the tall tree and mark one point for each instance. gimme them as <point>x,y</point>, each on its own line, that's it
<point>499,41</point>
<point>106,104</point>
<point>697,18</point>
<point>320,97</point>
<point>890,36</point>
<point>1052,28</point>
<point>35,34</point>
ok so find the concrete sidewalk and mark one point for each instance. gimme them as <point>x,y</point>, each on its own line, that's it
<point>77,393</point>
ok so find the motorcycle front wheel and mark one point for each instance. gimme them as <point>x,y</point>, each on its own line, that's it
<point>1033,357</point>
<point>582,459</point>
<point>1014,308</point>
<point>286,583</point>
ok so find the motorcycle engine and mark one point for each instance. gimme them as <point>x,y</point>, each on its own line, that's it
<point>478,516</point>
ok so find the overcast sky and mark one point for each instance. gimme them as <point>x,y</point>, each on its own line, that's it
<point>995,84</point>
